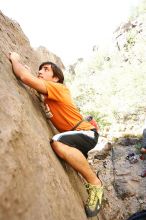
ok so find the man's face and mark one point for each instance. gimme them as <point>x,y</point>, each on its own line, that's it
<point>46,73</point>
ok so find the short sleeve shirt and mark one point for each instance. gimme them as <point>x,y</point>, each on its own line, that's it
<point>64,111</point>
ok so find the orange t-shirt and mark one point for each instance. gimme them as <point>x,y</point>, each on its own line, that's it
<point>65,113</point>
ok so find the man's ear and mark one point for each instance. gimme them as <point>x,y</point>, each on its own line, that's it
<point>55,79</point>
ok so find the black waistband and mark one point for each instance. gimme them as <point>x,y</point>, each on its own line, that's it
<point>94,129</point>
<point>77,125</point>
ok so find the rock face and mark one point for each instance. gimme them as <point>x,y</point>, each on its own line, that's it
<point>34,183</point>
<point>124,188</point>
<point>45,55</point>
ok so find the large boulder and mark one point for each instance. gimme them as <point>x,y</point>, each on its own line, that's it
<point>34,182</point>
<point>45,55</point>
<point>124,188</point>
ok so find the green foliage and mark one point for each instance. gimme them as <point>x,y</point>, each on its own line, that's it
<point>138,147</point>
<point>130,38</point>
<point>111,85</point>
<point>140,9</point>
<point>132,136</point>
<point>101,119</point>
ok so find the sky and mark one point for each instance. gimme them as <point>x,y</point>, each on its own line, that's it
<point>68,28</point>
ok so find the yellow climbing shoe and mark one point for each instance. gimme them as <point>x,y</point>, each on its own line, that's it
<point>94,200</point>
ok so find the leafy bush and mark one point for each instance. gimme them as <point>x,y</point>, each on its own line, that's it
<point>111,85</point>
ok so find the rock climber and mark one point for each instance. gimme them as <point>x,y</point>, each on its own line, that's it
<point>76,136</point>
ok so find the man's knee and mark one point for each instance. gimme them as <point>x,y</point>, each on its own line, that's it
<point>56,146</point>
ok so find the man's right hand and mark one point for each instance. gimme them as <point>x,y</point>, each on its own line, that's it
<point>13,56</point>
<point>25,75</point>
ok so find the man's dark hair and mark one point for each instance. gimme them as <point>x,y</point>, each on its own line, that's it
<point>56,70</point>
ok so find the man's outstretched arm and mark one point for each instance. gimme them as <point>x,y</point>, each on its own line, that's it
<point>25,76</point>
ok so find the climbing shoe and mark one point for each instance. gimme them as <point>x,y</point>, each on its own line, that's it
<point>94,200</point>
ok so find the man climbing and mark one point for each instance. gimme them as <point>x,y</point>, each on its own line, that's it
<point>77,136</point>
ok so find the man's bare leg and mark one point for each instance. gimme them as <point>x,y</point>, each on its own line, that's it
<point>143,150</point>
<point>77,160</point>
